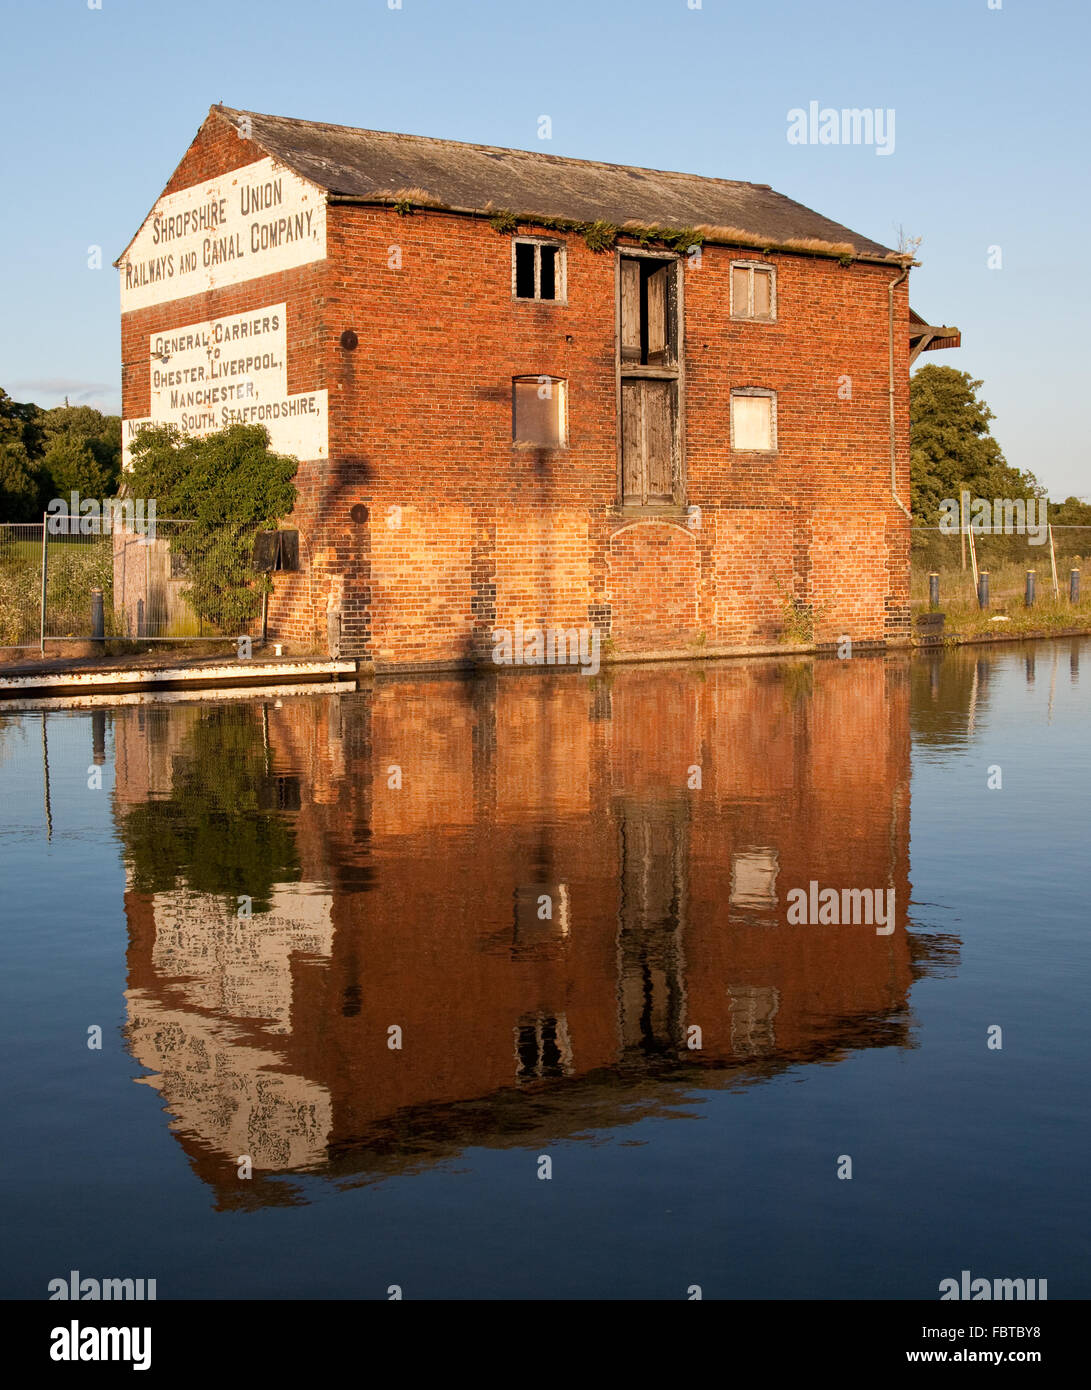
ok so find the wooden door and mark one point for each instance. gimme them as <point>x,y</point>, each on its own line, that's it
<point>656,291</point>
<point>647,441</point>
<point>630,311</point>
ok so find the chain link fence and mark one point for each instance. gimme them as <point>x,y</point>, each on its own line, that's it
<point>176,583</point>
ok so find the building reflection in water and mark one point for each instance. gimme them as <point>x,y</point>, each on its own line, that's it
<point>552,886</point>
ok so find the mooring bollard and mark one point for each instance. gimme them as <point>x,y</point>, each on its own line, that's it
<point>983,589</point>
<point>1074,586</point>
<point>1032,579</point>
<point>98,621</point>
<point>933,590</point>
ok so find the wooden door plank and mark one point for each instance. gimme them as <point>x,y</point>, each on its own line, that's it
<point>630,311</point>
<point>632,442</point>
<point>657,315</point>
<point>659,440</point>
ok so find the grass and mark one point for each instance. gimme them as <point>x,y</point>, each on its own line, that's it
<point>965,619</point>
<point>1007,581</point>
<point>72,572</point>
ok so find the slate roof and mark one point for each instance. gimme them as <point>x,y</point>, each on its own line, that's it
<point>373,164</point>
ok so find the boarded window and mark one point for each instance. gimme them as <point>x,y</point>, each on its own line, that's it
<point>754,878</point>
<point>538,411</point>
<point>276,550</point>
<point>753,1010</point>
<point>753,420</point>
<point>762,298</point>
<point>537,270</point>
<point>740,291</point>
<point>753,291</point>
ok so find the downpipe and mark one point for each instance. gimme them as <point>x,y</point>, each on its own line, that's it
<point>893,437</point>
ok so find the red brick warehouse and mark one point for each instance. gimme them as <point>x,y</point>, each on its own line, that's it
<point>528,389</point>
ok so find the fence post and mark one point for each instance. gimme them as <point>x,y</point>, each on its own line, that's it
<point>1053,564</point>
<point>1074,586</point>
<point>41,629</point>
<point>1031,581</point>
<point>983,589</point>
<point>98,622</point>
<point>933,590</point>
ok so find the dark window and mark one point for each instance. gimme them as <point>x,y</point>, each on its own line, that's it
<point>524,270</point>
<point>538,270</point>
<point>542,1047</point>
<point>548,275</point>
<point>649,312</point>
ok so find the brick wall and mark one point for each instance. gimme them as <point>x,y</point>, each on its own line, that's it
<point>423,406</point>
<point>465,530</point>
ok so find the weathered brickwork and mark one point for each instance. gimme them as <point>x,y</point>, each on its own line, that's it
<point>465,530</point>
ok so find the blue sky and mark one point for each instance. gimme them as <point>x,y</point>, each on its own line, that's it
<point>991,137</point>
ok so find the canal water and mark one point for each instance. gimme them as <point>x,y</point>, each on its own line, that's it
<point>765,977</point>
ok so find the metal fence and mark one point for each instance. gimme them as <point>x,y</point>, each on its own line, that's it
<point>177,583</point>
<point>958,558</point>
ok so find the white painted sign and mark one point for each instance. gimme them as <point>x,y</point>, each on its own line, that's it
<point>257,220</point>
<point>233,371</point>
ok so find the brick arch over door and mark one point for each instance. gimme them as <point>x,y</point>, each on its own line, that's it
<point>652,584</point>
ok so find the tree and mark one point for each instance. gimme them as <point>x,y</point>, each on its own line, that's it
<point>1070,512</point>
<point>52,453</point>
<point>218,830</point>
<point>230,485</point>
<point>950,445</point>
<point>70,466</point>
<point>20,444</point>
<point>81,451</point>
<point>19,483</point>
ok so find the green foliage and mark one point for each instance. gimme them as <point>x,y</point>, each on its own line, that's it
<point>71,466</point>
<point>20,589</point>
<point>231,485</point>
<point>797,625</point>
<point>20,422</point>
<point>51,453</point>
<point>20,448</point>
<point>1070,512</point>
<point>19,483</point>
<point>951,446</point>
<point>680,239</point>
<point>216,832</point>
<point>599,236</point>
<point>81,451</point>
<point>503,222</point>
<point>73,569</point>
